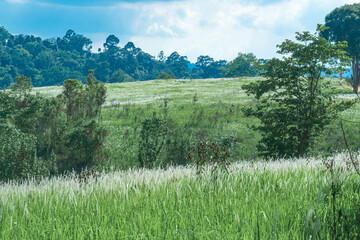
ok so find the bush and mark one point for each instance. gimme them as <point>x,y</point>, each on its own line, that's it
<point>177,146</point>
<point>166,76</point>
<point>18,158</point>
<point>152,138</point>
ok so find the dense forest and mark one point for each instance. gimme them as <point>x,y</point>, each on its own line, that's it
<point>51,61</point>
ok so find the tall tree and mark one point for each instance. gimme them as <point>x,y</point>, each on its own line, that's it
<point>73,41</point>
<point>178,65</point>
<point>291,103</point>
<point>111,41</point>
<point>243,65</point>
<point>344,25</point>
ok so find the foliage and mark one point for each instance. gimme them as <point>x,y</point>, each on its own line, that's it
<point>166,76</point>
<point>82,146</point>
<point>291,103</point>
<point>51,61</point>
<point>41,135</point>
<point>18,158</point>
<point>208,68</point>
<point>82,137</point>
<point>176,148</point>
<point>120,76</point>
<point>245,64</point>
<point>205,154</point>
<point>152,139</point>
<point>344,25</point>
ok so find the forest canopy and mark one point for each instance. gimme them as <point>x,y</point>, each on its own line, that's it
<point>50,61</point>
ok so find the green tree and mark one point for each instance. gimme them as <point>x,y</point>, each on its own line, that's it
<point>178,65</point>
<point>73,41</point>
<point>243,65</point>
<point>95,95</point>
<point>292,106</point>
<point>83,137</point>
<point>111,42</point>
<point>73,93</point>
<point>120,76</point>
<point>4,35</point>
<point>344,25</point>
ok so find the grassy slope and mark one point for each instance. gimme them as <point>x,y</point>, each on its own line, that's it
<point>214,115</point>
<point>278,200</point>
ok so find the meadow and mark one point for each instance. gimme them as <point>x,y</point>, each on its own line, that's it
<point>199,110</point>
<point>316,197</point>
<point>283,199</point>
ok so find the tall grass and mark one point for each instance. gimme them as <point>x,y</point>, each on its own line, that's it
<point>284,199</point>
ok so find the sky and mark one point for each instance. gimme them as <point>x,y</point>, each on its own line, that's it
<point>218,28</point>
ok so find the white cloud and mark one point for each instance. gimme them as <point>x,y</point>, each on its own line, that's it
<point>222,28</point>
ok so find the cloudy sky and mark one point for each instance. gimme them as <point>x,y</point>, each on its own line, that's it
<point>219,28</point>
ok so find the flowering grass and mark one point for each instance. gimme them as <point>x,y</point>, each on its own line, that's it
<point>283,199</point>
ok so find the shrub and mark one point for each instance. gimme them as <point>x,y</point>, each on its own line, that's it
<point>166,76</point>
<point>18,158</point>
<point>152,138</point>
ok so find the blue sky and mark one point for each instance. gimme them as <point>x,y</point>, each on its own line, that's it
<point>219,28</point>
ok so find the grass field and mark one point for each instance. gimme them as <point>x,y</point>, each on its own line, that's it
<point>198,110</point>
<point>284,199</point>
<point>280,199</point>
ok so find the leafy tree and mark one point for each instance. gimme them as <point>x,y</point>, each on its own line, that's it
<point>4,35</point>
<point>120,76</point>
<point>178,65</point>
<point>20,151</point>
<point>111,42</point>
<point>344,25</point>
<point>161,56</point>
<point>204,61</point>
<point>292,106</point>
<point>95,95</point>
<point>243,65</point>
<point>83,137</point>
<point>208,68</point>
<point>18,155</point>
<point>73,41</point>
<point>73,93</point>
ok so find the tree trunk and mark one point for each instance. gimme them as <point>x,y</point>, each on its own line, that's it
<point>356,75</point>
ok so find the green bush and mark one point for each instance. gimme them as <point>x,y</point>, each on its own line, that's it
<point>18,158</point>
<point>166,76</point>
<point>40,135</point>
<point>152,139</point>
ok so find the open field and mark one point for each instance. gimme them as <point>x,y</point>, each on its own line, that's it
<point>198,110</point>
<point>284,199</point>
<point>280,199</point>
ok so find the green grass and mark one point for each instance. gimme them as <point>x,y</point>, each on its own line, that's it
<point>206,110</point>
<point>285,199</point>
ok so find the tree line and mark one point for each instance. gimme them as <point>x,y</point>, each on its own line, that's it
<point>50,61</point>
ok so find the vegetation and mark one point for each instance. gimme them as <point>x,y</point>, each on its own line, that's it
<point>343,23</point>
<point>255,200</point>
<point>41,136</point>
<point>63,149</point>
<point>49,62</point>
<point>292,102</point>
<point>244,65</point>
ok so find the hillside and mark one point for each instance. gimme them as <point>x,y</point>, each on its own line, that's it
<point>196,110</point>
